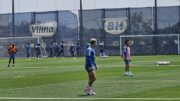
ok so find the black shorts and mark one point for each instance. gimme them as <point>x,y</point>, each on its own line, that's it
<point>127,62</point>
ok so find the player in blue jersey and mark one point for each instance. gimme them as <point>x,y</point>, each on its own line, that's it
<point>90,67</point>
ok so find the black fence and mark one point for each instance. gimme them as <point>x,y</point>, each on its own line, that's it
<point>140,21</point>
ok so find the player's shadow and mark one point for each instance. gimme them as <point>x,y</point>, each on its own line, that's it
<point>82,95</point>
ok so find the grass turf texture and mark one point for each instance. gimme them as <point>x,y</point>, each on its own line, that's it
<point>67,78</point>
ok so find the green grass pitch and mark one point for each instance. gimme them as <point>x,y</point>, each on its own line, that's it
<point>67,78</point>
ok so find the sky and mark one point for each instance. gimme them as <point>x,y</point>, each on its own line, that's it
<point>52,5</point>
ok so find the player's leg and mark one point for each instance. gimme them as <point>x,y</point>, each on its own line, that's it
<point>10,58</point>
<point>58,53</point>
<point>100,53</point>
<point>126,67</point>
<point>130,73</point>
<point>73,53</point>
<point>92,78</point>
<point>37,54</point>
<point>63,53</point>
<point>13,60</point>
<point>77,54</point>
<point>28,55</point>
<point>32,52</point>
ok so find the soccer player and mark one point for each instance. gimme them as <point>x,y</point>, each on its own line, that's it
<point>78,50</point>
<point>58,49</point>
<point>101,49</point>
<point>28,50</point>
<point>90,67</point>
<point>127,58</point>
<point>38,50</point>
<point>72,49</point>
<point>61,48</point>
<point>32,48</point>
<point>12,52</point>
<point>51,50</point>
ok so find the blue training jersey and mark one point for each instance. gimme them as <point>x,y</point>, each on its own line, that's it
<point>90,57</point>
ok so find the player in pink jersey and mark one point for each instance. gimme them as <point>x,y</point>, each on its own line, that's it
<point>127,58</point>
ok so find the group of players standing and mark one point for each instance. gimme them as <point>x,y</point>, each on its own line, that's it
<point>57,49</point>
<point>90,63</point>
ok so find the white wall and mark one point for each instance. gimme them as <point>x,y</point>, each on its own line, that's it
<point>52,5</point>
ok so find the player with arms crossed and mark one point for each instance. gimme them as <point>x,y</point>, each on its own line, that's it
<point>90,67</point>
<point>127,57</point>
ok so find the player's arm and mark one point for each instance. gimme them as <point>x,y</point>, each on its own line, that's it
<point>95,66</point>
<point>93,60</point>
<point>122,56</point>
<point>128,54</point>
<point>94,63</point>
<point>9,49</point>
<point>122,53</point>
<point>89,60</point>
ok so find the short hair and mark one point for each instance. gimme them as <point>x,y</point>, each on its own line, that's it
<point>93,41</point>
<point>126,41</point>
<point>13,45</point>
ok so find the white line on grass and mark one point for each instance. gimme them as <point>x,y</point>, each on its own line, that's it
<point>136,65</point>
<point>32,98</point>
<point>35,67</point>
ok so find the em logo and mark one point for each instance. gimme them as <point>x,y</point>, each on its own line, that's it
<point>115,25</point>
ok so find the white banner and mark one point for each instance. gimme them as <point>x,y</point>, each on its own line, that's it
<point>115,25</point>
<point>46,29</point>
